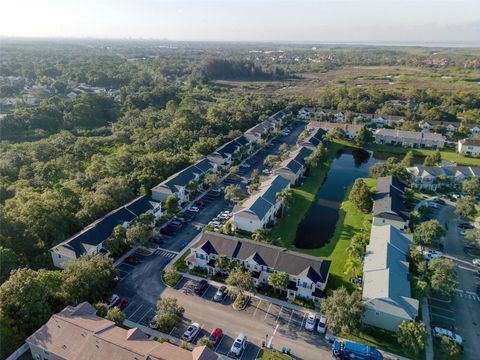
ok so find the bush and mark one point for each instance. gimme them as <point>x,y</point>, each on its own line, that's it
<point>171,277</point>
<point>185,345</point>
<point>163,340</point>
<point>306,303</point>
<point>240,302</point>
<point>198,271</point>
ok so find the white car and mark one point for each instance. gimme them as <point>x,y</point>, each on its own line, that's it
<point>322,324</point>
<point>433,205</point>
<point>245,165</point>
<point>191,332</point>
<point>310,323</point>
<point>266,171</point>
<point>438,331</point>
<point>227,213</point>
<point>215,223</point>
<point>239,345</point>
<point>153,323</point>
<point>223,216</point>
<point>194,209</point>
<point>113,300</point>
<point>476,262</point>
<point>431,254</point>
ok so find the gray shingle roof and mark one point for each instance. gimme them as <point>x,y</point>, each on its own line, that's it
<point>389,200</point>
<point>280,259</point>
<point>386,286</point>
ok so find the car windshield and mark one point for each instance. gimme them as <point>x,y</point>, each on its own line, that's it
<point>310,320</point>
<point>236,344</point>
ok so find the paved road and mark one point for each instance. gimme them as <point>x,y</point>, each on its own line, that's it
<point>464,311</point>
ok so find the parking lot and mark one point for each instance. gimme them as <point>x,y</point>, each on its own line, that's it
<point>261,321</point>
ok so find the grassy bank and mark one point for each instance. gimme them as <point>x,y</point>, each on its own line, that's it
<point>350,221</point>
<point>448,155</point>
<point>285,229</point>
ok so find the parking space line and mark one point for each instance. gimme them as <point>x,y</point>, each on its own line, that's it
<point>443,309</point>
<point>267,311</point>
<point>290,318</point>
<point>445,317</point>
<point>144,315</point>
<point>136,311</point>
<point>175,328</point>
<point>280,313</point>
<point>303,319</point>
<point>256,307</point>
<point>221,339</point>
<point>205,291</point>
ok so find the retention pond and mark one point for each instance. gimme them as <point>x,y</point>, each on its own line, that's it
<point>318,225</point>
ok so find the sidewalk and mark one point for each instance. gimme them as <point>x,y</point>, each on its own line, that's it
<point>426,321</point>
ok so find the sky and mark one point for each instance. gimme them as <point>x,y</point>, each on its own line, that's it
<point>246,20</point>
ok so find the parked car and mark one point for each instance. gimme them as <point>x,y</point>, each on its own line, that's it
<point>239,345</point>
<point>226,212</point>
<point>200,203</point>
<point>438,331</point>
<point>220,294</point>
<point>132,260</point>
<point>201,287</point>
<point>322,325</point>
<point>245,165</point>
<point>442,324</point>
<point>153,323</point>
<point>476,262</point>
<point>215,223</point>
<point>223,216</point>
<point>465,226</point>
<point>191,332</point>
<point>266,171</point>
<point>193,209</point>
<point>167,231</point>
<point>183,245</point>
<point>121,304</point>
<point>433,205</point>
<point>440,201</point>
<point>112,301</point>
<point>310,323</point>
<point>215,336</point>
<point>431,254</point>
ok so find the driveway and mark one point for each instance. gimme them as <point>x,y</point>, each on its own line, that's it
<point>463,312</point>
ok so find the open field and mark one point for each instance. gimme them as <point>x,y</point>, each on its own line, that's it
<point>386,77</point>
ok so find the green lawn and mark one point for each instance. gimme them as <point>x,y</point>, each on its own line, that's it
<point>448,155</point>
<point>266,354</point>
<point>180,264</point>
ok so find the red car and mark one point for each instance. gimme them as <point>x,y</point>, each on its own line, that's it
<point>121,304</point>
<point>200,203</point>
<point>132,260</point>
<point>215,336</point>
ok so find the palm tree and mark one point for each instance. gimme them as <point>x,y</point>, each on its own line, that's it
<point>284,197</point>
<point>352,266</point>
<point>260,235</point>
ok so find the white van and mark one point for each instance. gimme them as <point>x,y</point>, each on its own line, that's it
<point>239,345</point>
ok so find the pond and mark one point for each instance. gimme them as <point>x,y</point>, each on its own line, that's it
<point>318,225</point>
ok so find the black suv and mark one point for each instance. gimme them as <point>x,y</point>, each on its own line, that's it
<point>201,287</point>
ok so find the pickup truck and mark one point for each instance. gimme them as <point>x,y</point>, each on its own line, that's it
<point>352,350</point>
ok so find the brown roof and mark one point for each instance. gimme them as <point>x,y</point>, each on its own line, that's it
<point>471,142</point>
<point>77,333</point>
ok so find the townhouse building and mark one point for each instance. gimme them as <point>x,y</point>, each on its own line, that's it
<point>279,118</point>
<point>90,240</point>
<point>469,147</point>
<point>386,295</point>
<point>258,131</point>
<point>178,184</point>
<point>389,203</point>
<point>78,333</point>
<point>412,139</point>
<point>262,206</point>
<point>308,275</point>
<point>433,177</point>
<point>350,130</point>
<point>294,166</point>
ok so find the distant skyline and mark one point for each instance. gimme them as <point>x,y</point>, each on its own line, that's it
<point>374,21</point>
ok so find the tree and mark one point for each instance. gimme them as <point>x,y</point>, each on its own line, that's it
<point>102,308</point>
<point>211,180</point>
<point>443,277</point>
<point>284,197</point>
<point>239,281</point>
<point>473,235</point>
<point>409,159</point>
<point>171,277</point>
<point>138,234</point>
<point>335,133</point>
<point>428,231</point>
<point>364,136</point>
<point>447,349</point>
<point>361,196</point>
<point>412,336</point>
<point>271,160</point>
<point>278,280</point>
<point>169,314</point>
<point>260,235</point>
<point>115,243</point>
<point>28,298</point>
<point>352,266</point>
<point>171,204</point>
<point>433,159</point>
<point>91,278</point>
<point>10,338</point>
<point>116,315</point>
<point>471,186</point>
<point>466,207</point>
<point>233,192</point>
<point>342,310</point>
<point>222,263</point>
<point>8,262</point>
